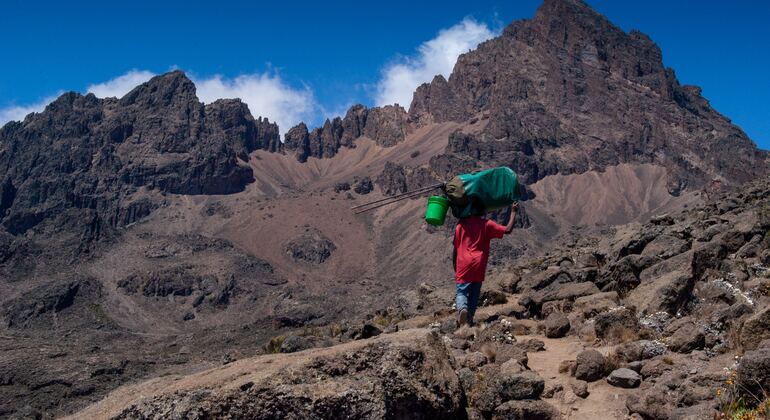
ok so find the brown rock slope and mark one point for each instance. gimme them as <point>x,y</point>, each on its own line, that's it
<point>645,320</point>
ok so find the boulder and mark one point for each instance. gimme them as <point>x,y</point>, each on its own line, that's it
<point>655,368</point>
<point>473,360</point>
<point>618,317</point>
<point>532,344</point>
<point>589,365</point>
<point>687,338</point>
<point>363,185</point>
<point>665,246</point>
<point>639,350</point>
<point>492,297</point>
<point>667,293</point>
<point>754,370</point>
<point>569,292</point>
<point>579,388</point>
<point>591,305</point>
<point>525,410</point>
<point>624,378</point>
<point>392,376</point>
<point>294,343</point>
<point>755,329</point>
<point>507,352</point>
<point>506,386</point>
<point>556,325</point>
<point>500,332</point>
<point>650,404</point>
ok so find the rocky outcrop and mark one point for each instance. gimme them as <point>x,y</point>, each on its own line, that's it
<point>41,305</point>
<point>103,158</point>
<point>395,376</point>
<point>387,126</point>
<point>568,91</point>
<point>310,247</point>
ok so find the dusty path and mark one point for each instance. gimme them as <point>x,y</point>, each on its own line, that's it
<point>603,402</point>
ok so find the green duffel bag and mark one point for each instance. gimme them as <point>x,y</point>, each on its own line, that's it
<point>483,191</point>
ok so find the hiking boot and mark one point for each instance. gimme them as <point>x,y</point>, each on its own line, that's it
<point>462,318</point>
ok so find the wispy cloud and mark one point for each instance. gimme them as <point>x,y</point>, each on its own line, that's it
<point>120,85</point>
<point>18,112</point>
<point>266,94</point>
<point>436,56</point>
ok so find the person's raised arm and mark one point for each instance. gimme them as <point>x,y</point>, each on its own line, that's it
<point>512,219</point>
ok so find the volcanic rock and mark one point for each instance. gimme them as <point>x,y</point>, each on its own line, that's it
<point>589,365</point>
<point>310,247</point>
<point>624,378</point>
<point>381,379</point>
<point>556,325</point>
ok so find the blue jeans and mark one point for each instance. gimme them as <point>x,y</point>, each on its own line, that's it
<point>468,298</point>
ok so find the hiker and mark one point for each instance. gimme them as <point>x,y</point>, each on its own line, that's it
<point>471,252</point>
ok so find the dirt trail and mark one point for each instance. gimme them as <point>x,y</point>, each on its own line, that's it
<point>603,402</point>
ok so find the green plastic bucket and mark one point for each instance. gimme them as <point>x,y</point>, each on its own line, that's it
<point>436,211</point>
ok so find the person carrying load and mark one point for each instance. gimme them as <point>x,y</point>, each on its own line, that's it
<point>470,197</point>
<point>469,259</point>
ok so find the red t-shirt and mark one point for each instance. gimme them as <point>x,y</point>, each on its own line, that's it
<point>472,236</point>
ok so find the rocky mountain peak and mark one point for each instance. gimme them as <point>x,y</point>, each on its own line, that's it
<point>167,90</point>
<point>98,161</point>
<point>568,92</point>
<point>386,125</point>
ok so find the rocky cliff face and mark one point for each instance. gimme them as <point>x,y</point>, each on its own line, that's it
<point>567,92</point>
<point>103,162</point>
<point>387,126</point>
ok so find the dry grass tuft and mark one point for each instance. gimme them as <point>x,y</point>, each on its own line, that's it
<point>335,330</point>
<point>618,334</point>
<point>734,337</point>
<point>588,334</point>
<point>612,361</point>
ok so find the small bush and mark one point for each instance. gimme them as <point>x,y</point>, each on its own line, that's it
<point>415,154</point>
<point>734,405</point>
<point>274,345</point>
<point>335,330</point>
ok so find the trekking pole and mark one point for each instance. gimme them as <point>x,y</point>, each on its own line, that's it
<point>394,199</point>
<point>364,210</point>
<point>408,193</point>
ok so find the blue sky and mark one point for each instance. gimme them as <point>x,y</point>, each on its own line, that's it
<point>309,60</point>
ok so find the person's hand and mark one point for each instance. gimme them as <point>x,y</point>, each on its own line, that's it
<point>515,205</point>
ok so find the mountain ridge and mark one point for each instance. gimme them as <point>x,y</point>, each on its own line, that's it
<point>153,234</point>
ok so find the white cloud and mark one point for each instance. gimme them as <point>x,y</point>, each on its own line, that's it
<point>120,85</point>
<point>437,56</point>
<point>18,112</point>
<point>267,95</point>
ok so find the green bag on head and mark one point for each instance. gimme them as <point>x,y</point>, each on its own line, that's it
<point>483,191</point>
